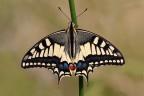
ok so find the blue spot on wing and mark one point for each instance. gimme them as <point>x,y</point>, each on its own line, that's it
<point>81,65</point>
<point>78,65</point>
<point>61,66</point>
<point>84,66</point>
<point>64,66</point>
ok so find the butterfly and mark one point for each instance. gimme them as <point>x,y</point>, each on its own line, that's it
<point>72,51</point>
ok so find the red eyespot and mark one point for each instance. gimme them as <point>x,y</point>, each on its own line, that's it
<point>72,67</point>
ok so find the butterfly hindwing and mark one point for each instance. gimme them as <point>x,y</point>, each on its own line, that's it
<point>95,51</point>
<point>49,53</point>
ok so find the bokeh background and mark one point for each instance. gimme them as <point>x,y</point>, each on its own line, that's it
<point>25,22</point>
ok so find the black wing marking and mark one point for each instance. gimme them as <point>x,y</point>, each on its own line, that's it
<point>95,51</point>
<point>49,53</point>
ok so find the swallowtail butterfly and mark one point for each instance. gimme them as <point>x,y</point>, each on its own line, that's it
<point>72,51</point>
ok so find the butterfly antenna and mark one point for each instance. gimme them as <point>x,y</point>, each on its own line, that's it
<point>81,13</point>
<point>64,13</point>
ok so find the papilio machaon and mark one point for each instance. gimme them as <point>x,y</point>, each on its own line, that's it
<point>72,51</point>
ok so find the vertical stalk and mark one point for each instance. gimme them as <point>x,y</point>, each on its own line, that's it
<point>81,87</point>
<point>74,20</point>
<point>73,12</point>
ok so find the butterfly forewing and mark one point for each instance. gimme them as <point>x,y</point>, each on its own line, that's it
<point>95,51</point>
<point>49,53</point>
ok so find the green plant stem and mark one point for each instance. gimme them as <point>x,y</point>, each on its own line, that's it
<point>74,20</point>
<point>81,87</point>
<point>73,12</point>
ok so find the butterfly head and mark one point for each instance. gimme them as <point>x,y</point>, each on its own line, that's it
<point>71,26</point>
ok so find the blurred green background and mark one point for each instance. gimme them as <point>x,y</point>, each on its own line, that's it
<point>25,22</point>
